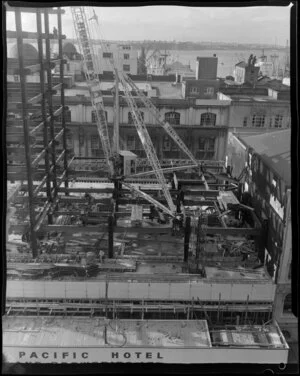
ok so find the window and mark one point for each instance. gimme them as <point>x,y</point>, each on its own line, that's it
<point>126,47</point>
<point>130,117</point>
<point>16,78</point>
<point>287,305</point>
<point>138,144</point>
<point>172,118</point>
<point>208,118</point>
<point>201,143</point>
<point>278,121</point>
<point>258,121</point>
<point>206,148</point>
<point>245,122</point>
<point>95,146</point>
<point>194,90</point>
<point>166,144</point>
<point>126,56</point>
<point>126,68</point>
<point>210,144</point>
<point>209,91</point>
<point>107,54</point>
<point>94,116</point>
<point>130,142</point>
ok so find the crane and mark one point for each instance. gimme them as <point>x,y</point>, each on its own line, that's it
<point>87,51</point>
<point>90,63</point>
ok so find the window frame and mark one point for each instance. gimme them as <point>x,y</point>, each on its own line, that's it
<point>107,55</point>
<point>94,116</point>
<point>204,119</point>
<point>172,117</point>
<point>286,311</point>
<point>258,121</point>
<point>132,141</point>
<point>95,145</point>
<point>126,65</point>
<point>209,90</point>
<point>278,120</point>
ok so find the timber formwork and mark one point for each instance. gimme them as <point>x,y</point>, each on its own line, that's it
<point>36,140</point>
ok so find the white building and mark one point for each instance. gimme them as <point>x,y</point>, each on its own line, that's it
<point>124,57</point>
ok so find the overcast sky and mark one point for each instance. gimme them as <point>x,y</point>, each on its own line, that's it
<point>268,25</point>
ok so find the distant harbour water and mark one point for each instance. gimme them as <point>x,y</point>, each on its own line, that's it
<point>226,58</point>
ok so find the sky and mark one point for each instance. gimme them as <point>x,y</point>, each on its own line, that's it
<point>260,24</point>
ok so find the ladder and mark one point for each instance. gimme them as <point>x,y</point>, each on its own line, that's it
<point>87,51</point>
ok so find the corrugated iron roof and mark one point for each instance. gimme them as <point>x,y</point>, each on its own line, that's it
<point>274,148</point>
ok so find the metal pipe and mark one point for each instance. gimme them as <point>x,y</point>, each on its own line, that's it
<point>26,131</point>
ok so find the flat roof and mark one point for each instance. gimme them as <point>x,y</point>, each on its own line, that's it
<point>168,90</point>
<point>81,332</point>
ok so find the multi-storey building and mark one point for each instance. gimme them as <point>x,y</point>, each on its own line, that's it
<point>200,122</point>
<point>257,110</point>
<point>124,56</point>
<point>268,181</point>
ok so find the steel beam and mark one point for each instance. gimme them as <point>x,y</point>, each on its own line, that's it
<point>12,8</point>
<point>26,132</point>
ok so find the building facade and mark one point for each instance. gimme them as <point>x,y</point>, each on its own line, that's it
<point>268,181</point>
<point>124,57</point>
<point>202,127</point>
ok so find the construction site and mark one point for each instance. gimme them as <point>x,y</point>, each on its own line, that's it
<point>137,255</point>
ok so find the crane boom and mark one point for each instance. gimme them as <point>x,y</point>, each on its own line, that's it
<point>167,127</point>
<point>87,51</point>
<point>147,143</point>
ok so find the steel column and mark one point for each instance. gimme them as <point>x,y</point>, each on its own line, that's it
<point>50,107</point>
<point>33,238</point>
<point>62,97</point>
<point>43,109</point>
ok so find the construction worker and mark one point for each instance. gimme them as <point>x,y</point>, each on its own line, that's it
<point>55,32</point>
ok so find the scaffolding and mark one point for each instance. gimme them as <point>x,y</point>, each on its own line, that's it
<point>39,135</point>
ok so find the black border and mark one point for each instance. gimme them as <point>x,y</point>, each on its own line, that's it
<point>96,368</point>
